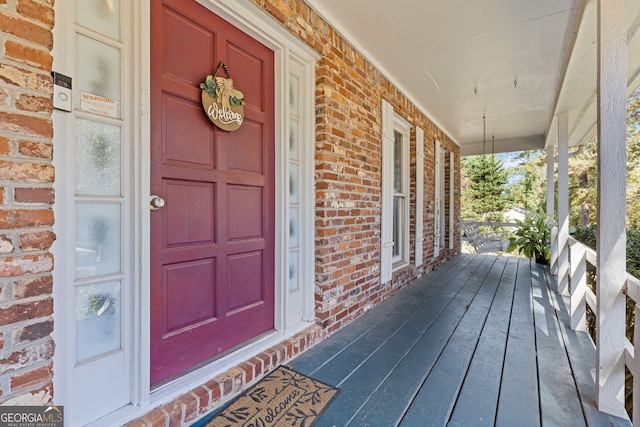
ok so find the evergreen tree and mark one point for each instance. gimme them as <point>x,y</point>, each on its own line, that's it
<point>583,174</point>
<point>527,179</point>
<point>583,180</point>
<point>633,159</point>
<point>484,192</point>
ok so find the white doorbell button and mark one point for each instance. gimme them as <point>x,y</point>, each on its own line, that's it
<point>61,91</point>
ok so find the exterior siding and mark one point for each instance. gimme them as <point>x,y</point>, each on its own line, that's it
<point>26,202</point>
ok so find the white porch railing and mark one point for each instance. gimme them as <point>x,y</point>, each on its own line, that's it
<point>582,296</point>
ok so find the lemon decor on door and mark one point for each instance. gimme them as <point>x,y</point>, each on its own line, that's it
<point>223,104</point>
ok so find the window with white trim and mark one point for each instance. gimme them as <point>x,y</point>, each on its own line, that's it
<point>400,193</point>
<point>451,199</point>
<point>438,218</point>
<point>395,192</point>
<point>419,214</point>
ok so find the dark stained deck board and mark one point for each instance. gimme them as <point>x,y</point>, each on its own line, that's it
<point>346,339</point>
<point>582,355</point>
<point>518,403</point>
<point>478,341</point>
<point>434,402</point>
<point>388,401</point>
<point>332,363</point>
<point>357,388</point>
<point>478,398</point>
<point>367,380</point>
<point>559,400</point>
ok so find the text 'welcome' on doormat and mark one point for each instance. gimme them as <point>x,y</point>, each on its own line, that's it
<point>282,398</point>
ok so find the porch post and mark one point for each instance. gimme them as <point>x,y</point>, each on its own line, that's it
<point>611,239</point>
<point>563,203</point>
<point>551,209</point>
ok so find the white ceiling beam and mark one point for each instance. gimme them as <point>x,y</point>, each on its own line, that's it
<point>504,145</point>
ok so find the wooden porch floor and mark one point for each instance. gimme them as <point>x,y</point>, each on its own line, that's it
<point>479,341</point>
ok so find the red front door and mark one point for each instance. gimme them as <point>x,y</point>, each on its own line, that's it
<point>212,244</point>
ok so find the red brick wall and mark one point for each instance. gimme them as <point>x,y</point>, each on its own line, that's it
<point>348,151</point>
<point>26,199</point>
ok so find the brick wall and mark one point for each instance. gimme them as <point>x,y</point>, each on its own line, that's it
<point>26,199</point>
<point>348,151</point>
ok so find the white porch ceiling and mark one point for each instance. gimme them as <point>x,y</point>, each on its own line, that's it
<point>438,52</point>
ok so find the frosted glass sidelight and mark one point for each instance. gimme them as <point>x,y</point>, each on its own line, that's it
<point>97,158</point>
<point>98,319</point>
<point>293,183</point>
<point>294,282</point>
<point>98,68</point>
<point>294,228</point>
<point>293,139</point>
<point>101,16</point>
<point>294,95</point>
<point>98,248</point>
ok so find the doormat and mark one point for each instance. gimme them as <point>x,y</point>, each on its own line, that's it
<point>282,398</point>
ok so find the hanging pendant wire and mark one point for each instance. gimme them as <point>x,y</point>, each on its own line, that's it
<point>484,134</point>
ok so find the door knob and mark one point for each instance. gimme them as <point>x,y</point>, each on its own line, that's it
<point>155,202</point>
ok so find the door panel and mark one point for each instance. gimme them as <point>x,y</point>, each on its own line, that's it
<point>183,118</point>
<point>245,269</point>
<point>212,245</point>
<point>256,100</point>
<point>190,215</point>
<point>189,52</point>
<point>189,284</point>
<point>246,154</point>
<point>244,205</point>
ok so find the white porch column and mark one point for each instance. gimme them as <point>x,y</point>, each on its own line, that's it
<point>611,246</point>
<point>551,162</point>
<point>551,209</point>
<point>563,203</point>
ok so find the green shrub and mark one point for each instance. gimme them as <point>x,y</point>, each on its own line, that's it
<point>633,252</point>
<point>532,236</point>
<point>587,235</point>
